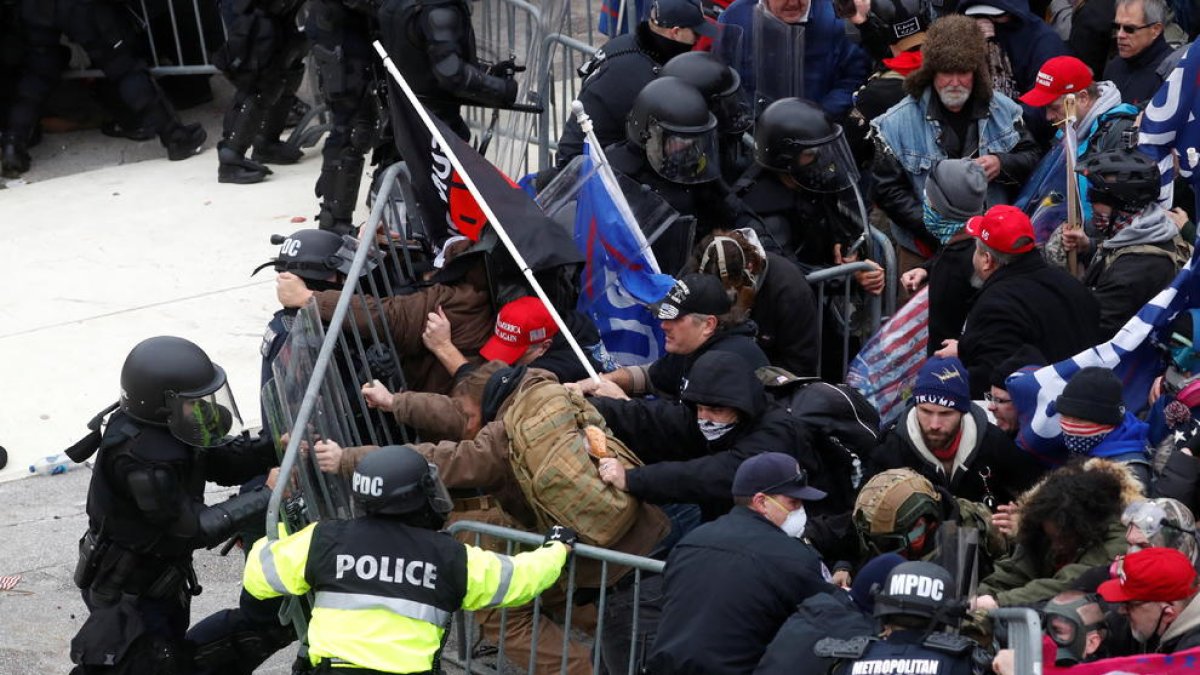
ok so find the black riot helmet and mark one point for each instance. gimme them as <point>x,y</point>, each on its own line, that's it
<point>917,589</point>
<point>169,381</point>
<point>671,122</point>
<point>718,83</point>
<point>396,480</point>
<point>904,18</point>
<point>1125,179</point>
<point>314,255</point>
<point>796,137</point>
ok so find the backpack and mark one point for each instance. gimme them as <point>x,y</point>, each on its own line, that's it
<point>844,424</point>
<point>559,477</point>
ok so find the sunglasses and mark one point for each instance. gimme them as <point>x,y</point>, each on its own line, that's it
<point>1130,29</point>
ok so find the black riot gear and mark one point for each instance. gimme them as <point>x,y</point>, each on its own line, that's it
<point>670,121</point>
<point>312,254</point>
<point>170,381</point>
<point>720,85</point>
<point>796,137</point>
<point>1126,179</point>
<point>396,480</point>
<point>916,589</point>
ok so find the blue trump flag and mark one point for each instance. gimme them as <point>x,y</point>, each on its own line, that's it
<point>1172,122</point>
<point>620,274</point>
<point>1131,355</point>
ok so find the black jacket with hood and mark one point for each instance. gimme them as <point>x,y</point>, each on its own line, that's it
<point>987,463</point>
<point>668,374</point>
<point>1132,267</point>
<point>681,465</point>
<point>1026,302</point>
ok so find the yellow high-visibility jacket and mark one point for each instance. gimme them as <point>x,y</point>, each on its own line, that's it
<point>385,591</point>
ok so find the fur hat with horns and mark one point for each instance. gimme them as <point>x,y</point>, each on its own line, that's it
<point>954,45</point>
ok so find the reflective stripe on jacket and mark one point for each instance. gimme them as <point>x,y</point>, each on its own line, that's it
<point>384,591</point>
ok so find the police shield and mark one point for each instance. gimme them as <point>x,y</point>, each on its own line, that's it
<point>293,368</point>
<point>958,552</point>
<point>778,58</point>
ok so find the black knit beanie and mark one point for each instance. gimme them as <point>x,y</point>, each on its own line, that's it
<point>1093,395</point>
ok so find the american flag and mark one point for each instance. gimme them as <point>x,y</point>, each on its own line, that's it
<point>9,582</point>
<point>886,366</point>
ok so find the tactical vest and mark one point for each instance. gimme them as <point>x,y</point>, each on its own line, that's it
<point>378,563</point>
<point>113,511</point>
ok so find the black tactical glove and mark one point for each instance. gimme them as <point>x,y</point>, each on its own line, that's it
<point>506,69</point>
<point>562,534</point>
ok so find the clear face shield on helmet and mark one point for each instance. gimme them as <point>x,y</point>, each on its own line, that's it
<point>825,168</point>
<point>1152,521</point>
<point>436,493</point>
<point>778,58</point>
<point>684,155</point>
<point>205,420</point>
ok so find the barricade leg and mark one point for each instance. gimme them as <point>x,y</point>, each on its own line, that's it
<point>632,605</point>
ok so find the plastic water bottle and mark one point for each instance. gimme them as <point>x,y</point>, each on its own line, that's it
<point>53,465</point>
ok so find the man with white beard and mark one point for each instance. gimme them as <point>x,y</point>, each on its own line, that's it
<point>950,112</point>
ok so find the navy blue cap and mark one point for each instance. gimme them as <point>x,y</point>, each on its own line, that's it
<point>682,14</point>
<point>774,473</point>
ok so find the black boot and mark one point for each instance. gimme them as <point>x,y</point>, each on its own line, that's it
<point>234,168</point>
<point>14,158</point>
<point>267,146</point>
<point>183,140</point>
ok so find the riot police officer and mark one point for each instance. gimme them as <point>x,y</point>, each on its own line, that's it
<point>721,86</point>
<point>387,584</point>
<point>173,431</point>
<point>239,639</point>
<point>262,57</point>
<point>672,148</point>
<point>105,33</point>
<point>915,606</point>
<point>432,42</point>
<point>804,182</point>
<point>350,80</point>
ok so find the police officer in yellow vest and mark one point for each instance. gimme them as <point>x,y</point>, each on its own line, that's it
<point>386,584</point>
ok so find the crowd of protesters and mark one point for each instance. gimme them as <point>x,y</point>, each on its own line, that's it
<point>781,503</point>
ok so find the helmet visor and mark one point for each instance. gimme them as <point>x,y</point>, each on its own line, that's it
<point>684,156</point>
<point>438,495</point>
<point>205,420</point>
<point>825,168</point>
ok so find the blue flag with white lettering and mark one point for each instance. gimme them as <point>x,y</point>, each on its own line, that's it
<point>1172,122</point>
<point>620,274</point>
<point>1131,355</point>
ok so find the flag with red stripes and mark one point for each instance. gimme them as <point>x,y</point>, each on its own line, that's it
<point>886,367</point>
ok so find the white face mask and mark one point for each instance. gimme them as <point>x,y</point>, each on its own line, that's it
<point>794,524</point>
<point>713,430</point>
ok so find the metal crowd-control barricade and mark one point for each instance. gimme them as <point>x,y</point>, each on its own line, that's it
<point>180,36</point>
<point>1025,637</point>
<point>516,538</point>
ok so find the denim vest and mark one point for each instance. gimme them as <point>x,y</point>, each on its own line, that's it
<point>912,137</point>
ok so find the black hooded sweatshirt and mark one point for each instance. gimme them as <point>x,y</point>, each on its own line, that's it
<point>681,465</point>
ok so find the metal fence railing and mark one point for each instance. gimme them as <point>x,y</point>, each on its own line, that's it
<point>177,37</point>
<point>466,627</point>
<point>1024,637</point>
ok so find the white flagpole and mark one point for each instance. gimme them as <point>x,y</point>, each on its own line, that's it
<point>487,211</point>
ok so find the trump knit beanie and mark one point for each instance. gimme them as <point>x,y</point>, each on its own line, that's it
<point>943,381</point>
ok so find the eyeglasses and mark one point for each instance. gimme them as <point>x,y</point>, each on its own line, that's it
<point>987,396</point>
<point>1130,29</point>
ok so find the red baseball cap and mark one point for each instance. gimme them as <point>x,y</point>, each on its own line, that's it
<point>1003,228</point>
<point>522,322</point>
<point>1057,76</point>
<point>1151,575</point>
